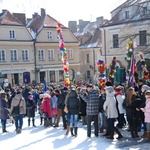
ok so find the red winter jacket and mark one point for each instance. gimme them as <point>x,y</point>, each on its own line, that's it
<point>46,106</point>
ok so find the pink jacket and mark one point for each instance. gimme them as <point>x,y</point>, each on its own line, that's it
<point>147,111</point>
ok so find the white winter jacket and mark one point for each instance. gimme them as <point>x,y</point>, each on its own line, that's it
<point>120,100</point>
<point>110,106</point>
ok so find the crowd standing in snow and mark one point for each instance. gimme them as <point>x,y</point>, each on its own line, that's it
<point>108,109</point>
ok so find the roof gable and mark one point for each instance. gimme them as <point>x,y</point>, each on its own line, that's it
<point>7,18</point>
<point>38,22</point>
<point>136,15</point>
<point>94,41</point>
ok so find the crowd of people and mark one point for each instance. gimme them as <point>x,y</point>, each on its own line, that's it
<point>108,109</point>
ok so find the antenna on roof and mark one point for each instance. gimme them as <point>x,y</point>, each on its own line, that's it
<point>91,18</point>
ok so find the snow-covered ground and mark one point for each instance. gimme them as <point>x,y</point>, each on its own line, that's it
<point>37,138</point>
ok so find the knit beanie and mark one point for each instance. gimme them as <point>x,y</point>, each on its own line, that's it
<point>145,87</point>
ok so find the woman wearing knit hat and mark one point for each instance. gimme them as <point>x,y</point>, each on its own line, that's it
<point>120,99</point>
<point>146,111</point>
<point>143,90</point>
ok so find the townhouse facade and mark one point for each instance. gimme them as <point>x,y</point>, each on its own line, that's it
<point>90,49</point>
<point>129,21</point>
<point>30,52</point>
<point>16,50</point>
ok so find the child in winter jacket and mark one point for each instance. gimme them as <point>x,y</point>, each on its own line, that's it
<point>47,110</point>
<point>54,100</point>
<point>146,111</point>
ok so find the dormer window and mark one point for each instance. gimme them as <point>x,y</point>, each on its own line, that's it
<point>12,34</point>
<point>144,10</point>
<point>49,35</point>
<point>70,54</point>
<point>127,14</point>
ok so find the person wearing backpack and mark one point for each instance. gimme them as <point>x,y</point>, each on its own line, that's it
<point>19,118</point>
<point>73,105</point>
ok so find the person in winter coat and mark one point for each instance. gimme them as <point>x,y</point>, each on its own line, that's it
<point>111,112</point>
<point>18,119</point>
<point>31,107</point>
<point>133,101</point>
<point>54,100</point>
<point>92,109</point>
<point>142,96</point>
<point>59,104</point>
<point>120,99</point>
<point>73,105</point>
<point>63,95</point>
<point>83,107</point>
<point>102,99</point>
<point>146,111</point>
<point>47,110</point>
<point>41,95</point>
<point>4,113</point>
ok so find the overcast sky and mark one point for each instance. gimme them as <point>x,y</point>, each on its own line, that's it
<point>64,10</point>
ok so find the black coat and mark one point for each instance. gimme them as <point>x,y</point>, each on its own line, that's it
<point>4,114</point>
<point>136,103</point>
<point>102,99</point>
<point>73,102</point>
<point>82,107</point>
<point>31,108</point>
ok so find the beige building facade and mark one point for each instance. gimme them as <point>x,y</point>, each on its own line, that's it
<point>130,21</point>
<point>16,50</point>
<point>30,53</point>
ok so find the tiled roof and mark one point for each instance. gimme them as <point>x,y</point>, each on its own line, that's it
<point>94,41</point>
<point>7,18</point>
<point>38,22</point>
<point>116,19</point>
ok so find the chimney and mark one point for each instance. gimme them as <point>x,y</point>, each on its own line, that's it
<point>34,15</point>
<point>99,21</point>
<point>43,13</point>
<point>21,17</point>
<point>4,10</point>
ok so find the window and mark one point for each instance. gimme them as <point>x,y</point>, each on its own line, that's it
<point>87,58</point>
<point>51,54</point>
<point>70,53</point>
<point>61,75</point>
<point>12,34</point>
<point>13,54</point>
<point>25,55</point>
<point>144,10</point>
<point>49,35</point>
<point>127,14</point>
<point>142,38</point>
<point>52,76</point>
<point>2,55</point>
<point>115,41</point>
<point>59,55</point>
<point>88,73</point>
<point>41,54</point>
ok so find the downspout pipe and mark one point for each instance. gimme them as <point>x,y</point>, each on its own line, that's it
<point>35,64</point>
<point>105,45</point>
